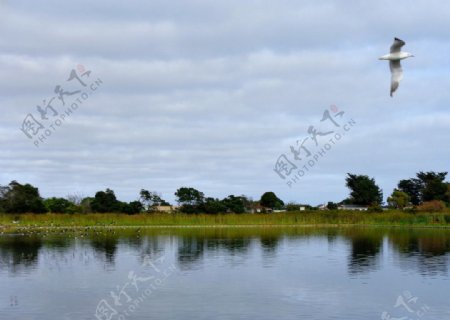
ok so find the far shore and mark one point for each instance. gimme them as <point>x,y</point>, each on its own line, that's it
<point>392,218</point>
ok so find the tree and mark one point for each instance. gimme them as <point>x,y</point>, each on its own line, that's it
<point>189,196</point>
<point>292,206</point>
<point>332,206</point>
<point>434,187</point>
<point>270,200</point>
<point>3,192</point>
<point>363,190</point>
<point>190,199</point>
<point>86,205</point>
<point>59,205</point>
<point>413,187</point>
<point>213,206</point>
<point>248,202</point>
<point>105,201</point>
<point>133,207</point>
<point>18,198</point>
<point>398,199</point>
<point>447,194</point>
<point>234,204</point>
<point>151,200</point>
<point>427,186</point>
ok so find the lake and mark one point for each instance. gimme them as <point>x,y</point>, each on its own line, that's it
<point>226,273</point>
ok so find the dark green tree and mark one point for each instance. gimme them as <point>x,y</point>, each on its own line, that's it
<point>413,188</point>
<point>190,200</point>
<point>3,191</point>
<point>234,204</point>
<point>434,186</point>
<point>134,207</point>
<point>59,205</point>
<point>150,200</point>
<point>213,206</point>
<point>189,196</point>
<point>18,198</point>
<point>332,206</point>
<point>427,186</point>
<point>105,201</point>
<point>292,206</point>
<point>363,190</point>
<point>447,194</point>
<point>270,200</point>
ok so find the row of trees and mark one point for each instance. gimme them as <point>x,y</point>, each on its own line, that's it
<point>194,201</point>
<point>427,189</point>
<point>18,198</point>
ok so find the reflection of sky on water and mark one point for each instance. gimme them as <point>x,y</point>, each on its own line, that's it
<point>280,274</point>
<point>426,254</point>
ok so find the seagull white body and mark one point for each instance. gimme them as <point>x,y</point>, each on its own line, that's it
<point>396,56</point>
<point>394,63</point>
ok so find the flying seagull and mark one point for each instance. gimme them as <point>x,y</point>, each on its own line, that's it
<point>394,62</point>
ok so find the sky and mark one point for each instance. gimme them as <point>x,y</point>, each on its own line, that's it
<point>209,95</point>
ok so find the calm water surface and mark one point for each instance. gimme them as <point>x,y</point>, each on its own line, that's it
<point>271,273</point>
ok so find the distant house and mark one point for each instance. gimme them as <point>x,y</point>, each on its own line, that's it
<point>282,210</point>
<point>257,208</point>
<point>166,209</point>
<point>353,207</point>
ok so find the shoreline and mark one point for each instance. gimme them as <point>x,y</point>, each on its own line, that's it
<point>298,219</point>
<point>12,229</point>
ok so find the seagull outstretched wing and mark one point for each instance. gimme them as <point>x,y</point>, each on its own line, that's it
<point>397,45</point>
<point>396,74</point>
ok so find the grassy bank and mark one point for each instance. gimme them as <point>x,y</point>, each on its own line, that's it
<point>388,218</point>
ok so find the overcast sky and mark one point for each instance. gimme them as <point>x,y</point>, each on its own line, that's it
<point>208,94</point>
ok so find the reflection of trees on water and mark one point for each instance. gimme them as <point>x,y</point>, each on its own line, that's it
<point>234,246</point>
<point>190,250</point>
<point>18,253</point>
<point>269,245</point>
<point>426,252</point>
<point>332,235</point>
<point>106,246</point>
<point>152,247</point>
<point>133,241</point>
<point>364,252</point>
<point>423,251</point>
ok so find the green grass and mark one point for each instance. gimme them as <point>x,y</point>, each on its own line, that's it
<point>386,218</point>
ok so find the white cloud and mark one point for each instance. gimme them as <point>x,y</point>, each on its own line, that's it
<point>209,94</point>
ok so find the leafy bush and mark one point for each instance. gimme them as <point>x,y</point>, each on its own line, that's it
<point>432,206</point>
<point>332,206</point>
<point>57,205</point>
